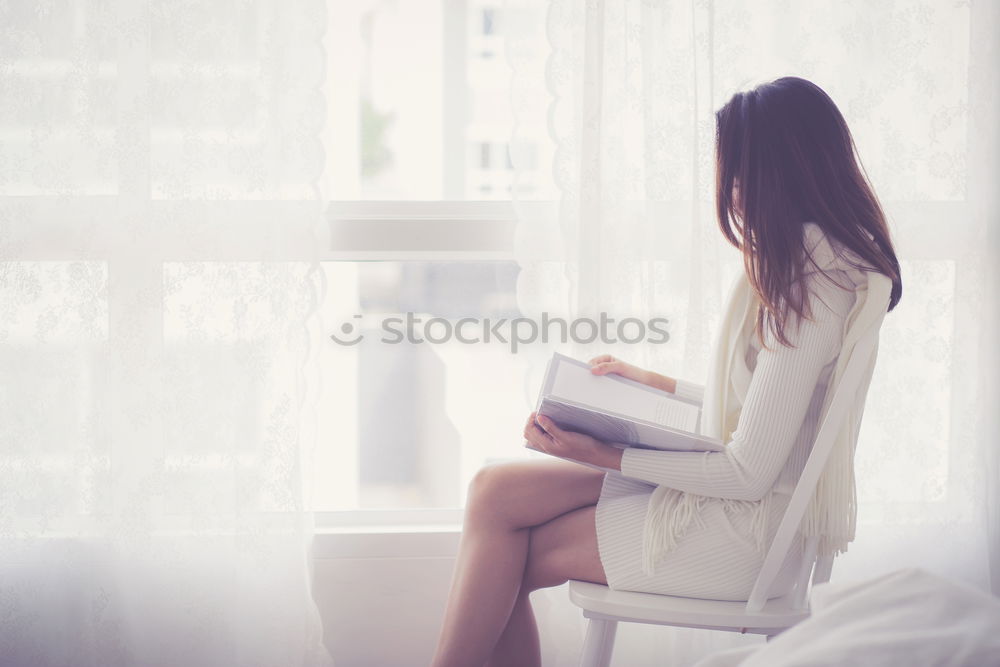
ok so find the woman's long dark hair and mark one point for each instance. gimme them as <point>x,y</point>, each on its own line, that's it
<point>785,157</point>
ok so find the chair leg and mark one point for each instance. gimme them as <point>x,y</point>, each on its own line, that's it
<point>599,643</point>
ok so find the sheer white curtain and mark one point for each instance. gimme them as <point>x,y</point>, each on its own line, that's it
<point>158,292</point>
<point>629,91</point>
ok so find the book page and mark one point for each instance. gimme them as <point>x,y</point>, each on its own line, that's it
<point>579,385</point>
<point>677,414</point>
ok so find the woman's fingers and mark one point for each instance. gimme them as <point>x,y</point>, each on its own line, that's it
<point>550,427</point>
<point>529,425</point>
<point>602,359</point>
<point>605,367</point>
<point>535,435</point>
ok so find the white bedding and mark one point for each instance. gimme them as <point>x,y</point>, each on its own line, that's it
<point>907,617</point>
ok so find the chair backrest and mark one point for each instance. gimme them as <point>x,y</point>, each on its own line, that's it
<point>856,378</point>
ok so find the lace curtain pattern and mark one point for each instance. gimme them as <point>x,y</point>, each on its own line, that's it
<point>159,282</point>
<point>628,95</point>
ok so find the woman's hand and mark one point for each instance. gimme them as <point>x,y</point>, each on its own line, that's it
<point>605,363</point>
<point>543,434</point>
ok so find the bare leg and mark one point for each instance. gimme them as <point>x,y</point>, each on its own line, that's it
<point>505,501</point>
<point>562,549</point>
<point>485,584</point>
<point>519,645</point>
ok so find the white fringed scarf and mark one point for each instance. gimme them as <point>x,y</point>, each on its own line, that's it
<point>832,512</point>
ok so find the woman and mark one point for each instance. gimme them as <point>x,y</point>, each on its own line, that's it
<point>791,196</point>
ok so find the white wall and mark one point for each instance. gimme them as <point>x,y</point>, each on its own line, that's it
<point>383,611</point>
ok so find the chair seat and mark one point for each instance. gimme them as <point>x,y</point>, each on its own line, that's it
<point>599,601</point>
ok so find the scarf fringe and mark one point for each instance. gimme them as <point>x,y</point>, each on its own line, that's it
<point>671,514</point>
<point>834,519</point>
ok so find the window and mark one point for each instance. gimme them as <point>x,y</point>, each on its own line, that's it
<point>416,158</point>
<point>420,176</point>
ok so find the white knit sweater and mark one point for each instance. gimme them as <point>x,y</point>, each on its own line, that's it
<point>781,410</point>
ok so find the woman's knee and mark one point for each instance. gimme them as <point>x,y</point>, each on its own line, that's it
<point>520,494</point>
<point>485,492</point>
<point>489,496</point>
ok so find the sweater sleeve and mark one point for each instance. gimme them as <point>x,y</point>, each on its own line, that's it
<point>689,390</point>
<point>781,389</point>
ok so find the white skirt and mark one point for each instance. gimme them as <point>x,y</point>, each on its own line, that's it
<point>717,561</point>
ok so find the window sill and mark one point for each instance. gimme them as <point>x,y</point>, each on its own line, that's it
<point>388,541</point>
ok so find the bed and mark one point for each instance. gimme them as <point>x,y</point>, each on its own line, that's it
<point>907,617</point>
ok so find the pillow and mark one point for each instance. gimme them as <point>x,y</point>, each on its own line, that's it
<point>906,617</point>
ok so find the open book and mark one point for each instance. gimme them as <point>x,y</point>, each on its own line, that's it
<point>618,410</point>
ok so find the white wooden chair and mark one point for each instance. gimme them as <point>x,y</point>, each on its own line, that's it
<point>761,614</point>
